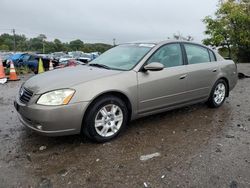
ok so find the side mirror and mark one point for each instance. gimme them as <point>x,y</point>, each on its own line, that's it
<point>155,66</point>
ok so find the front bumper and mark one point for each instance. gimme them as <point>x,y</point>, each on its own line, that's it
<point>52,120</point>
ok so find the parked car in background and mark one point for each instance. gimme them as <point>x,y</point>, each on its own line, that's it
<point>5,56</point>
<point>65,58</point>
<point>24,59</point>
<point>57,55</point>
<point>29,60</point>
<point>85,58</point>
<point>127,82</point>
<point>78,56</point>
<point>68,63</point>
<point>81,56</point>
<point>95,55</point>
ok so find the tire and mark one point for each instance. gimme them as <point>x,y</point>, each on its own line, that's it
<point>106,118</point>
<point>218,94</point>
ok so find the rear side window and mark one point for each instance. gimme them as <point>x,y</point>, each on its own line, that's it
<point>196,54</point>
<point>212,57</point>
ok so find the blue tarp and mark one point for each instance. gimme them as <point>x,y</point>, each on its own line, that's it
<point>16,56</point>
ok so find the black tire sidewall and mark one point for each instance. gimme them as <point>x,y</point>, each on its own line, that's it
<point>89,123</point>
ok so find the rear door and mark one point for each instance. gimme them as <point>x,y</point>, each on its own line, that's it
<point>202,71</point>
<point>165,88</point>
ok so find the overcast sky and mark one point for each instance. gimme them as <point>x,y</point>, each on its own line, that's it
<point>103,20</point>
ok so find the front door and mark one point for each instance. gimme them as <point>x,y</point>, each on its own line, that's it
<point>165,88</point>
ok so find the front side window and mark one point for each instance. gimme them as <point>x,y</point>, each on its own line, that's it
<point>196,54</point>
<point>169,55</point>
<point>123,57</point>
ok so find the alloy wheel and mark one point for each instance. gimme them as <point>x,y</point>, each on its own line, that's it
<point>219,93</point>
<point>108,120</point>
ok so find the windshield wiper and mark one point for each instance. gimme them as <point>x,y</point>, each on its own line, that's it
<point>99,65</point>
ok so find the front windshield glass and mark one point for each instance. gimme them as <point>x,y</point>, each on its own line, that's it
<point>123,57</point>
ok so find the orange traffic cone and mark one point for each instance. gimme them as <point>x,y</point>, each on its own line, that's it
<point>51,65</point>
<point>3,78</point>
<point>13,75</point>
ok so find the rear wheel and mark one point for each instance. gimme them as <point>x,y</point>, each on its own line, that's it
<point>105,119</point>
<point>218,94</point>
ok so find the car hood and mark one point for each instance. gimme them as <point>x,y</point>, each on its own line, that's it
<point>65,78</point>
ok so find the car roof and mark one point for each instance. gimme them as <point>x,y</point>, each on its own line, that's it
<point>151,41</point>
<point>158,42</point>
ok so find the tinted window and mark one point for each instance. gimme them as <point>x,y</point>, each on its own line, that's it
<point>196,54</point>
<point>169,55</point>
<point>32,58</point>
<point>212,57</point>
<point>25,57</point>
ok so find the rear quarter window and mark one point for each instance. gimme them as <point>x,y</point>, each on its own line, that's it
<point>212,56</point>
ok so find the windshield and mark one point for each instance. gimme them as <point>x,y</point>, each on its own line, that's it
<point>123,57</point>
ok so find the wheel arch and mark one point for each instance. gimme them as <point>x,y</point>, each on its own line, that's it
<point>115,93</point>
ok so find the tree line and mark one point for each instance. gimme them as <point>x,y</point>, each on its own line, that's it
<point>229,29</point>
<point>39,44</point>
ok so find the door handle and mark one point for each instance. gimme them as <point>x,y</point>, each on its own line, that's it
<point>214,70</point>
<point>183,76</point>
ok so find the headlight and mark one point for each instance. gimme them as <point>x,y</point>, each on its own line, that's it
<point>57,97</point>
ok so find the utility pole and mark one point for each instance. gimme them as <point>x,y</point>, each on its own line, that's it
<point>114,41</point>
<point>43,46</point>
<point>14,34</point>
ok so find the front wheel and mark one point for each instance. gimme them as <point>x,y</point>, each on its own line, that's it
<point>105,119</point>
<point>218,94</point>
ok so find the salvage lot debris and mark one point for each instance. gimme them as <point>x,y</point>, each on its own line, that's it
<point>145,184</point>
<point>149,156</point>
<point>229,136</point>
<point>42,148</point>
<point>63,172</point>
<point>45,182</point>
<point>28,157</point>
<point>242,127</point>
<point>242,75</point>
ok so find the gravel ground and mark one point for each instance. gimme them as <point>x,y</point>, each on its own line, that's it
<point>190,147</point>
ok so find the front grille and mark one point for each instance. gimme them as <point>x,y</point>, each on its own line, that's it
<point>25,95</point>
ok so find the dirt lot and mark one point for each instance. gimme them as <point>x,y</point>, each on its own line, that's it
<point>195,147</point>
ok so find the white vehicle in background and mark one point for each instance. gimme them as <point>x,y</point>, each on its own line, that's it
<point>66,58</point>
<point>57,55</point>
<point>76,53</point>
<point>85,58</point>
